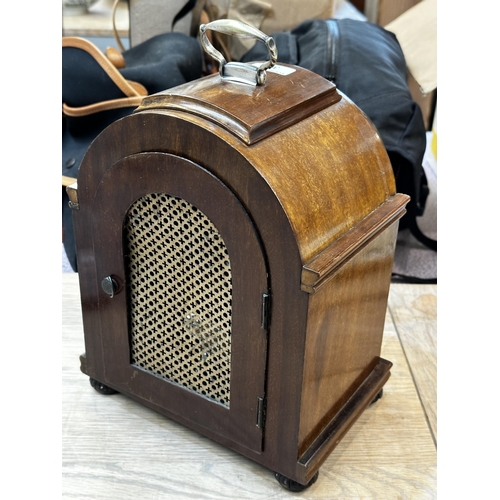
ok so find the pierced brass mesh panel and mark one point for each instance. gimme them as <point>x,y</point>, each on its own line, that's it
<point>179,292</point>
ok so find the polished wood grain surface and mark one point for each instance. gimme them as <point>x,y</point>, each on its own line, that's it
<point>344,335</point>
<point>336,170</point>
<point>115,448</point>
<point>323,267</point>
<point>251,112</point>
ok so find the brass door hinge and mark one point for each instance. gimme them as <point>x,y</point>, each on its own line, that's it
<point>266,310</point>
<point>261,413</point>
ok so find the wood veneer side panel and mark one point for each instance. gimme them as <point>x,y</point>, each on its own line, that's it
<point>344,334</point>
<point>347,416</point>
<point>317,271</point>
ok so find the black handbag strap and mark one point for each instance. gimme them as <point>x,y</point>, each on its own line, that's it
<point>402,278</point>
<point>415,231</point>
<point>188,7</point>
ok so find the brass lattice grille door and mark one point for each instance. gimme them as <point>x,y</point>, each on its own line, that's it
<point>180,295</point>
<point>182,328</point>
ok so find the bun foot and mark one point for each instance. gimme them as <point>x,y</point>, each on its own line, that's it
<point>291,485</point>
<point>378,396</point>
<point>101,388</point>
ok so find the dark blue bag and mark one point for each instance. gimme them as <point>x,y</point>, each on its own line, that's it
<point>94,96</point>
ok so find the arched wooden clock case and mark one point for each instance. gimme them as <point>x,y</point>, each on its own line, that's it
<point>235,246</point>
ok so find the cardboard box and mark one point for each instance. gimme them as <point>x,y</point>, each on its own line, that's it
<point>416,31</point>
<point>287,14</point>
<point>271,16</point>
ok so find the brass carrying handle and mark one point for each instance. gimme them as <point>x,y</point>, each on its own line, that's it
<point>235,71</point>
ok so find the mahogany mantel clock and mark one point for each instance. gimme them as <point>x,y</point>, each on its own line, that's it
<point>235,244</point>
